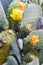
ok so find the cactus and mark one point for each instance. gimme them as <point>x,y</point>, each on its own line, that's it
<point>3,20</point>
<point>11,61</point>
<point>30,17</point>
<point>5,49</point>
<point>40,35</point>
<point>41,56</point>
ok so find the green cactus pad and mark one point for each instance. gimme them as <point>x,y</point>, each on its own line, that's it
<point>3,20</point>
<point>31,15</point>
<point>40,34</point>
<point>4,51</point>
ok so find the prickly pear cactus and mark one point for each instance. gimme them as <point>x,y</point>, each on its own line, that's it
<point>31,15</point>
<point>3,20</point>
<point>6,38</point>
<point>40,35</point>
<point>11,61</point>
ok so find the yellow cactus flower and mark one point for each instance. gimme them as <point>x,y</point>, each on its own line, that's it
<point>17,14</point>
<point>34,39</point>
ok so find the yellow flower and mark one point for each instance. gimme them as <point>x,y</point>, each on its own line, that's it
<point>34,39</point>
<point>17,14</point>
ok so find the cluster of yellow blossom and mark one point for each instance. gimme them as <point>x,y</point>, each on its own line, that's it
<point>34,40</point>
<point>17,13</point>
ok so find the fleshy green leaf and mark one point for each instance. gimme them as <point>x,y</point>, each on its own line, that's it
<point>11,61</point>
<point>41,56</point>
<point>31,15</point>
<point>4,51</point>
<point>3,20</point>
<point>40,35</point>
